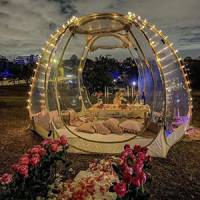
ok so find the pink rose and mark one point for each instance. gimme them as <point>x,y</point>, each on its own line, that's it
<point>6,179</point>
<point>54,147</point>
<point>24,160</point>
<point>63,140</point>
<point>120,189</point>
<point>23,170</point>
<point>35,160</point>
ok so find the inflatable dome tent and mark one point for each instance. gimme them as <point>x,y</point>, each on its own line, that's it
<point>152,111</point>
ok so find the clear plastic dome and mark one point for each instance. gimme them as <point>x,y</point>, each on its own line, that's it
<point>108,79</point>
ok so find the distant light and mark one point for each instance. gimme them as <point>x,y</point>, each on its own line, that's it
<point>69,75</point>
<point>134,83</point>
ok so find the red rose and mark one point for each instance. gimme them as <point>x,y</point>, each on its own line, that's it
<point>54,147</point>
<point>127,169</point>
<point>140,179</point>
<point>136,182</point>
<point>127,177</point>
<point>138,167</point>
<point>144,149</point>
<point>35,149</point>
<point>141,156</point>
<point>127,146</point>
<point>23,170</point>
<point>24,160</point>
<point>46,142</point>
<point>6,179</point>
<point>42,152</point>
<point>127,153</point>
<point>142,176</point>
<point>120,189</point>
<point>63,140</point>
<point>137,148</point>
<point>148,158</point>
<point>35,160</point>
<point>15,167</point>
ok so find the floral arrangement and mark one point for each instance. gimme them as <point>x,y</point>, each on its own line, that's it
<point>134,180</point>
<point>35,171</point>
<point>94,183</point>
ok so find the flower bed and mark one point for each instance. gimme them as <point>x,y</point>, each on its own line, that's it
<point>34,171</point>
<point>35,175</point>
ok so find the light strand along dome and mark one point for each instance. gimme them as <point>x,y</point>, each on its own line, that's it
<point>75,90</point>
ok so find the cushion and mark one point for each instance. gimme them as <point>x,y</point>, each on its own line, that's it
<point>113,125</point>
<point>86,127</point>
<point>100,128</point>
<point>131,126</point>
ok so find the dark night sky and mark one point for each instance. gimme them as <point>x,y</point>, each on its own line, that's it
<point>25,25</point>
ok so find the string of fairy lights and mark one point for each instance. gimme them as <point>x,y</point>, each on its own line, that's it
<point>174,52</point>
<point>40,76</point>
<point>43,64</point>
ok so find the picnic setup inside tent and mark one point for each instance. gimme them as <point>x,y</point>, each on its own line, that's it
<point>154,110</point>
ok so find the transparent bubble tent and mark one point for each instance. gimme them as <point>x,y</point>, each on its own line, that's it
<point>152,111</point>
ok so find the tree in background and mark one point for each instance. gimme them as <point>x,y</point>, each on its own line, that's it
<point>108,71</point>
